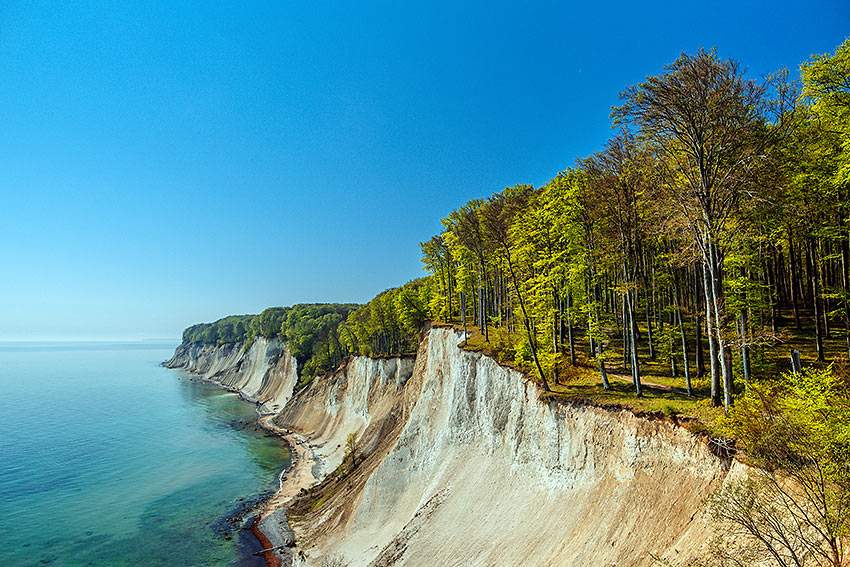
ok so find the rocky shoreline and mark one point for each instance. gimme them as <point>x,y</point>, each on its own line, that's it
<point>270,526</point>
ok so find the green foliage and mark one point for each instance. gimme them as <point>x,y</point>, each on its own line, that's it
<point>389,323</point>
<point>231,329</point>
<point>796,421</point>
<point>794,508</point>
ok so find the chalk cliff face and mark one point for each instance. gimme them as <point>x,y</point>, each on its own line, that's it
<point>264,372</point>
<point>463,464</point>
<point>364,395</point>
<point>480,471</point>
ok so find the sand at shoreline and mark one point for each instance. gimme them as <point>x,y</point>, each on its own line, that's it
<point>270,522</point>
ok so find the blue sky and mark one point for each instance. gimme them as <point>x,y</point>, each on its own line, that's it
<point>164,163</point>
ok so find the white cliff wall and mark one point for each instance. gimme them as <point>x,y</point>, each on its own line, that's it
<point>265,372</point>
<point>363,393</point>
<point>484,473</point>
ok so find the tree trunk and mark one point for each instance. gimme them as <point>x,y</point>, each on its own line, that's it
<point>845,284</point>
<point>635,366</point>
<point>600,360</point>
<point>715,268</point>
<point>626,334</point>
<point>713,350</point>
<point>745,348</point>
<point>463,314</point>
<point>682,335</point>
<point>649,329</point>
<point>816,300</point>
<point>819,273</point>
<point>483,295</point>
<point>570,328</point>
<point>795,284</point>
<point>698,352</point>
<point>531,341</point>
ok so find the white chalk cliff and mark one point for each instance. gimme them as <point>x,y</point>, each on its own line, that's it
<point>264,372</point>
<point>463,464</point>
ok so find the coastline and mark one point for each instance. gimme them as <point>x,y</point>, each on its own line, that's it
<point>296,478</point>
<point>276,545</point>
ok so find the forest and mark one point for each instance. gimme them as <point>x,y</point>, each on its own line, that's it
<point>705,245</point>
<point>709,234</point>
<point>322,335</point>
<point>697,264</point>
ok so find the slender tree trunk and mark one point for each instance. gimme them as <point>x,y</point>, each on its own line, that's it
<point>463,315</point>
<point>600,359</point>
<point>483,294</point>
<point>713,350</point>
<point>682,335</point>
<point>845,286</point>
<point>570,328</point>
<point>816,300</point>
<point>700,358</point>
<point>795,284</point>
<point>531,337</point>
<point>590,318</point>
<point>819,273</point>
<point>745,349</point>
<point>560,314</point>
<point>635,365</point>
<point>773,294</point>
<point>626,334</point>
<point>715,266</point>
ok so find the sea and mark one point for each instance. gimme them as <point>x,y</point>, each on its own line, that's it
<point>107,459</point>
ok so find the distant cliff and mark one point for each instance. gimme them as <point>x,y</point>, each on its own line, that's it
<point>265,372</point>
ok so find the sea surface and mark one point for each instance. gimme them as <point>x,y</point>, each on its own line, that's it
<point>109,459</point>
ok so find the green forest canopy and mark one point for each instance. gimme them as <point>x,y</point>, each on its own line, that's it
<point>321,335</point>
<point>711,225</point>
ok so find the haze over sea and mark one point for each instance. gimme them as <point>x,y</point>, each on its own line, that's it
<point>109,459</point>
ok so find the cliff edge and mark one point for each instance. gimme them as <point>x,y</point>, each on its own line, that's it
<point>459,462</point>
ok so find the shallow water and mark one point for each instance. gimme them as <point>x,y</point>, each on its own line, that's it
<point>108,459</point>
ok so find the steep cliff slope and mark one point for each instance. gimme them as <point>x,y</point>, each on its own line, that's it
<point>366,396</point>
<point>465,465</point>
<point>264,372</point>
<point>461,463</point>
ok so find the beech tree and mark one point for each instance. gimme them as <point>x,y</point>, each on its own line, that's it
<point>706,120</point>
<point>497,216</point>
<point>620,174</point>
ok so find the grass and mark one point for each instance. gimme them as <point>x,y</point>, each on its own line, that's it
<point>664,395</point>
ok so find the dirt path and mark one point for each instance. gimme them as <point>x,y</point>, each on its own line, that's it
<point>644,382</point>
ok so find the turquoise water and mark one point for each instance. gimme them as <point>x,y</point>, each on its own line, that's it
<point>108,459</point>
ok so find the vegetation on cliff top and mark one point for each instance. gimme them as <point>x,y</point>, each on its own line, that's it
<point>678,267</point>
<point>320,336</point>
<point>706,240</point>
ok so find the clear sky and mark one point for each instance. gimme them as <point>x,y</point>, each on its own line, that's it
<point>165,163</point>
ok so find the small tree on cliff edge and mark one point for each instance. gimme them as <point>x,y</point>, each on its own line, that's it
<point>351,448</point>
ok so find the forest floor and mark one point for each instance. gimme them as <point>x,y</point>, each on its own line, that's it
<point>662,392</point>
